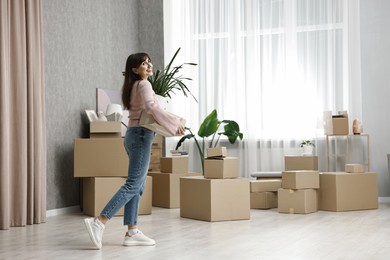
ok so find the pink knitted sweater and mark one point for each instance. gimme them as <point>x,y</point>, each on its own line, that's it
<point>144,98</point>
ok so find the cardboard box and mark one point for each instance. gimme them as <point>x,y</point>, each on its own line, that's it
<point>147,120</point>
<point>158,139</point>
<point>341,191</point>
<point>154,165</point>
<point>214,199</point>
<point>336,124</point>
<point>300,180</point>
<point>110,129</point>
<point>355,168</point>
<point>297,201</point>
<point>166,189</point>
<point>264,200</point>
<point>97,191</point>
<point>221,168</point>
<point>265,185</point>
<point>174,164</point>
<point>293,162</point>
<point>101,157</point>
<point>216,152</point>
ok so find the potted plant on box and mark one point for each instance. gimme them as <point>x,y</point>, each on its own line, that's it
<point>209,127</point>
<point>167,81</point>
<point>308,147</point>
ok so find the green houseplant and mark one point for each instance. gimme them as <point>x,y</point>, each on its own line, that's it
<point>308,147</point>
<point>306,142</point>
<point>167,81</point>
<point>209,127</point>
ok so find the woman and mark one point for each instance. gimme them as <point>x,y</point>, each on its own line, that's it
<point>137,96</point>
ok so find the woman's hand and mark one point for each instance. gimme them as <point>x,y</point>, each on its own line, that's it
<point>180,130</point>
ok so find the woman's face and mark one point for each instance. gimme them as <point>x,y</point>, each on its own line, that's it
<point>145,69</point>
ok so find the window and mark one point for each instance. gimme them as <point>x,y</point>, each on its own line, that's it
<point>272,65</point>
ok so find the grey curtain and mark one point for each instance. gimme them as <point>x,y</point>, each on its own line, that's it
<point>22,115</point>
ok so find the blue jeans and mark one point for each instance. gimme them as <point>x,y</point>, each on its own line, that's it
<point>138,142</point>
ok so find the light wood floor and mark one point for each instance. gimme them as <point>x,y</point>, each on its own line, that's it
<point>267,235</point>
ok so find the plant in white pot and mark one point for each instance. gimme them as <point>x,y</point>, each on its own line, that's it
<point>167,81</point>
<point>308,147</point>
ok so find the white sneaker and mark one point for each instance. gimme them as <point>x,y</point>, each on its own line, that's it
<point>138,239</point>
<point>95,229</point>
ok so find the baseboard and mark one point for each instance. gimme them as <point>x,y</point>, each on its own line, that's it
<point>62,211</point>
<point>75,209</point>
<point>384,199</point>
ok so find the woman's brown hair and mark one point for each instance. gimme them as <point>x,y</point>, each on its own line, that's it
<point>133,61</point>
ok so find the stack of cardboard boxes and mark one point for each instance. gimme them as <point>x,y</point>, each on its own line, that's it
<point>263,193</point>
<point>101,163</point>
<point>166,185</point>
<point>219,195</point>
<point>299,192</point>
<point>353,189</point>
<point>300,182</point>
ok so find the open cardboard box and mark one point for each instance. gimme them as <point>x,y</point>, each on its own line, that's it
<point>336,124</point>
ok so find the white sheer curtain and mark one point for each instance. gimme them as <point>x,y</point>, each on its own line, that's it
<point>273,66</point>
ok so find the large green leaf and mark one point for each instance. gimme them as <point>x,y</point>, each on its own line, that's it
<point>209,125</point>
<point>232,131</point>
<point>187,136</point>
<point>165,82</point>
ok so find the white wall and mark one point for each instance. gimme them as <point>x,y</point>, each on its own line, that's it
<point>375,46</point>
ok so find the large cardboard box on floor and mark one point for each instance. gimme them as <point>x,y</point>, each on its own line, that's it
<point>297,201</point>
<point>300,180</point>
<point>166,189</point>
<point>264,200</point>
<point>265,185</point>
<point>97,191</point>
<point>304,162</point>
<point>100,157</point>
<point>336,124</point>
<point>174,164</point>
<point>109,129</point>
<point>221,168</point>
<point>341,191</point>
<point>214,199</point>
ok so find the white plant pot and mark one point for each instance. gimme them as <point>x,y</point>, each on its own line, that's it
<point>163,101</point>
<point>308,150</point>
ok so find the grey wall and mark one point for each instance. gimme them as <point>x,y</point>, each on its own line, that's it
<point>375,42</point>
<point>86,44</point>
